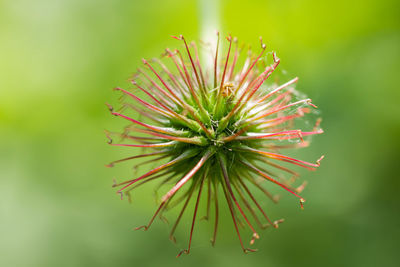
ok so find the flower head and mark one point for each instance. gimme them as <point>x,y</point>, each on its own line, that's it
<point>217,129</point>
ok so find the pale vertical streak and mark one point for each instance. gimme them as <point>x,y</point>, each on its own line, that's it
<point>209,12</point>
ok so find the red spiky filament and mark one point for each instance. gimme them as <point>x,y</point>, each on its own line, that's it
<point>219,129</point>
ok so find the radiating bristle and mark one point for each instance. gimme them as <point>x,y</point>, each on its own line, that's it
<point>217,127</point>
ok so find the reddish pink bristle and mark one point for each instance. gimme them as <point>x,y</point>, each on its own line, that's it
<point>279,156</point>
<point>176,115</point>
<point>188,197</point>
<point>155,99</point>
<point>188,79</point>
<point>229,202</point>
<point>267,135</point>
<point>286,98</point>
<point>150,161</point>
<point>282,119</point>
<point>172,56</point>
<point>266,74</point>
<point>187,251</point>
<point>247,205</point>
<point>239,102</point>
<point>170,90</point>
<point>228,185</point>
<point>229,38</point>
<point>196,99</point>
<point>111,164</point>
<point>151,127</point>
<point>269,178</point>
<point>145,181</point>
<point>245,67</point>
<point>193,65</point>
<point>146,227</point>
<point>171,205</point>
<point>278,89</point>
<point>189,175</point>
<point>281,167</point>
<point>263,46</point>
<point>146,113</point>
<point>262,189</point>
<point>125,135</point>
<point>234,136</point>
<point>219,94</point>
<point>208,199</point>
<point>255,201</point>
<point>144,103</point>
<point>167,144</point>
<point>156,170</point>
<point>199,65</point>
<point>258,77</point>
<point>232,68</point>
<point>165,93</point>
<point>298,135</point>
<point>275,104</point>
<point>172,77</point>
<point>174,138</point>
<point>307,101</point>
<point>154,91</point>
<point>216,215</point>
<point>278,147</point>
<point>189,108</point>
<point>280,178</point>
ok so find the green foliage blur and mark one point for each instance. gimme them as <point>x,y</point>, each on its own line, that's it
<point>59,60</point>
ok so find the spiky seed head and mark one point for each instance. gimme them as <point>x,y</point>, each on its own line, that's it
<point>215,130</point>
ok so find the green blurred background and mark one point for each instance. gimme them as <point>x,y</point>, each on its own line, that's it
<point>61,58</point>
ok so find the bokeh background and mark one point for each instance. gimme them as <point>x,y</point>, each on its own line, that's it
<point>59,60</point>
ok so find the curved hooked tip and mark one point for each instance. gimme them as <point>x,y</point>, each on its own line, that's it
<point>144,61</point>
<point>253,239</point>
<point>110,108</point>
<point>212,240</point>
<point>185,251</point>
<point>319,160</point>
<point>180,38</point>
<point>277,222</point>
<point>276,58</point>
<point>263,46</point>
<point>247,250</point>
<point>166,53</point>
<point>302,200</point>
<point>144,227</point>
<point>309,102</point>
<point>108,137</point>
